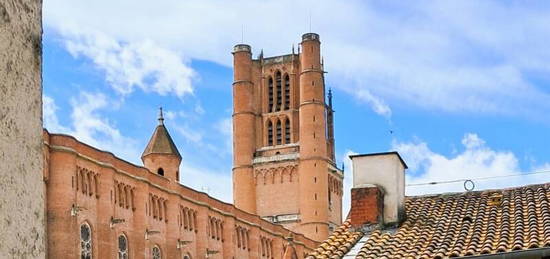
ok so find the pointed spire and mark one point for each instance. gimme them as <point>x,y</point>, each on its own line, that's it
<point>330,98</point>
<point>292,48</point>
<point>161,142</point>
<point>261,56</point>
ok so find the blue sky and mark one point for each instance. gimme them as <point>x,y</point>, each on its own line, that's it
<point>463,85</point>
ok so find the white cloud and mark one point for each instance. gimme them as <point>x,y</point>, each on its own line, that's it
<point>143,64</point>
<point>191,135</point>
<point>225,128</point>
<point>170,115</point>
<point>88,126</point>
<point>476,160</point>
<point>455,56</point>
<point>51,122</point>
<point>376,104</point>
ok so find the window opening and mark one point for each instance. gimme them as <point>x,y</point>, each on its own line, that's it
<point>287,92</point>
<point>270,133</point>
<point>279,91</point>
<point>122,247</point>
<point>85,241</point>
<point>270,94</point>
<point>279,135</point>
<point>287,131</point>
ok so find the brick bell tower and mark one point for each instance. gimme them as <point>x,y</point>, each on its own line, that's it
<point>283,146</point>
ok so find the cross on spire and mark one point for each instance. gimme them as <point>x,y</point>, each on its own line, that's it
<point>161,117</point>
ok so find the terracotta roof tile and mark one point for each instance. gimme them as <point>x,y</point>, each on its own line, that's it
<point>455,225</point>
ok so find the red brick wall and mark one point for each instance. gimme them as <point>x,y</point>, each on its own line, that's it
<point>367,205</point>
<point>125,191</point>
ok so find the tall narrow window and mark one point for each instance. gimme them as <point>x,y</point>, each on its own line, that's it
<point>122,247</point>
<point>270,94</point>
<point>278,90</point>
<point>279,134</point>
<point>85,241</point>
<point>287,92</point>
<point>156,253</point>
<point>269,133</point>
<point>287,131</point>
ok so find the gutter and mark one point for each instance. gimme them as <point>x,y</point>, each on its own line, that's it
<point>534,253</point>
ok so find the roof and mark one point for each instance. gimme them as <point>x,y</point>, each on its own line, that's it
<point>455,225</point>
<point>161,143</point>
<point>383,154</point>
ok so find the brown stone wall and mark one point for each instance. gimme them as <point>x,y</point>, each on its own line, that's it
<point>104,187</point>
<point>22,209</point>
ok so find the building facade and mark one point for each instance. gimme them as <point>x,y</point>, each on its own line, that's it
<point>284,167</point>
<point>99,206</point>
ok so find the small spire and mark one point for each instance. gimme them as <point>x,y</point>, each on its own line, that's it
<point>261,56</point>
<point>292,48</point>
<point>161,117</point>
<point>330,98</point>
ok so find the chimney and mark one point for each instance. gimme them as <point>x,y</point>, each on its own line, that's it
<point>378,192</point>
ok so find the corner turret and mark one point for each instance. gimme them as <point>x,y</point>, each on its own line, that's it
<point>161,156</point>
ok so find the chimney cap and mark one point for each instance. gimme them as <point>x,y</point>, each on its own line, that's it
<point>382,154</point>
<point>310,36</point>
<point>242,47</point>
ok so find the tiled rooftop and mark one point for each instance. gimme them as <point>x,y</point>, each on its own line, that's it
<point>454,225</point>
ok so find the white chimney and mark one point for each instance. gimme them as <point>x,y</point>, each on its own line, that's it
<point>385,171</point>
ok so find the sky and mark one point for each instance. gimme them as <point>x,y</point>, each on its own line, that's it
<point>460,88</point>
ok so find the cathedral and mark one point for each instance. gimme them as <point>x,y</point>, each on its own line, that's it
<point>287,188</point>
<point>284,140</point>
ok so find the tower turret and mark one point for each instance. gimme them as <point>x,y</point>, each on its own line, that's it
<point>244,130</point>
<point>330,127</point>
<point>161,156</point>
<point>313,167</point>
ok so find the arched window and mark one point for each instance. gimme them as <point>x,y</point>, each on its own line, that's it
<point>122,247</point>
<point>85,241</point>
<point>270,94</point>
<point>160,171</point>
<point>279,91</point>
<point>156,253</point>
<point>287,92</point>
<point>238,234</point>
<point>269,133</point>
<point>287,131</point>
<point>185,218</point>
<point>279,134</point>
<point>186,257</point>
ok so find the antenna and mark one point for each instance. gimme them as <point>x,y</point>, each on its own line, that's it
<point>242,33</point>
<point>310,20</point>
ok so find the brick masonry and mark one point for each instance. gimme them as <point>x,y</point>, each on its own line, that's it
<point>283,142</point>
<point>367,205</point>
<point>93,187</point>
